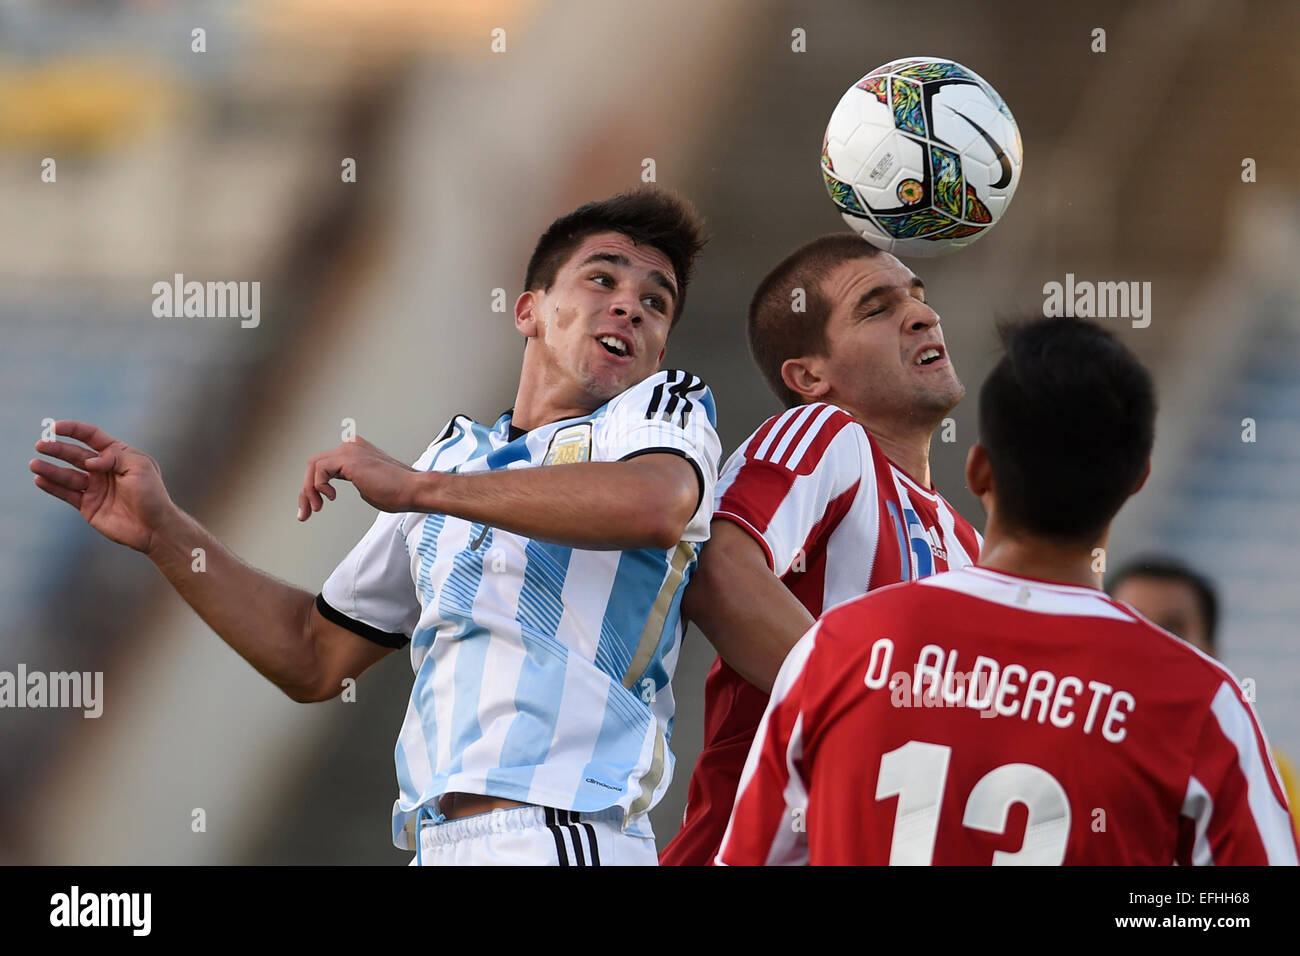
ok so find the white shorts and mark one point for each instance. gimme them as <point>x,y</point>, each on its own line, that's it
<point>534,836</point>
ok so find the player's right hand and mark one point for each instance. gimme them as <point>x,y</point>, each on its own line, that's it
<point>118,489</point>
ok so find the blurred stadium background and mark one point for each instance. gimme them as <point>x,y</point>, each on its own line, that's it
<point>376,306</point>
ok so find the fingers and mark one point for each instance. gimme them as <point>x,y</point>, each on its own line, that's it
<point>93,436</point>
<point>320,470</point>
<point>305,503</point>
<point>58,491</point>
<point>73,454</point>
<point>321,475</point>
<point>67,478</point>
<point>109,454</point>
<point>106,462</point>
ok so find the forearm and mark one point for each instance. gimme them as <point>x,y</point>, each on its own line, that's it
<point>748,615</point>
<point>263,619</point>
<point>752,631</point>
<point>612,506</point>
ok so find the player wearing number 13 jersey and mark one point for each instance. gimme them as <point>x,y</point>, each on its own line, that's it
<point>1012,712</point>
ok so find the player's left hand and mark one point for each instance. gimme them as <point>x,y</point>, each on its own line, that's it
<point>384,482</point>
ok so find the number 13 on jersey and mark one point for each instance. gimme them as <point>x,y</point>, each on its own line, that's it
<point>917,772</point>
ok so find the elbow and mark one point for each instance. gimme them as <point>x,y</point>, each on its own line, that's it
<point>297,695</point>
<point>668,524</point>
<point>306,693</point>
<point>662,499</point>
<point>666,535</point>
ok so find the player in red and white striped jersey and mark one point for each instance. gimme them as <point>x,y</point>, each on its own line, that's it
<point>825,501</point>
<point>1012,712</point>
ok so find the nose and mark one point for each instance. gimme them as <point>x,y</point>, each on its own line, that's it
<point>923,317</point>
<point>626,307</point>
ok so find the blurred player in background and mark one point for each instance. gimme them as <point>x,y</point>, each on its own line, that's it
<point>1185,603</point>
<point>541,603</point>
<point>824,502</point>
<point>1012,713</point>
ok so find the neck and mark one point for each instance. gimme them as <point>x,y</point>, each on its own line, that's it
<point>1039,558</point>
<point>540,402</point>
<point>909,449</point>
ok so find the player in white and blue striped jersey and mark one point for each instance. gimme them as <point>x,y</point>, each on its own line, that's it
<point>535,566</point>
<point>539,574</point>
<point>542,670</point>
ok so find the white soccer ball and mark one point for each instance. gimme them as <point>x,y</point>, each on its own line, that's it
<point>921,156</point>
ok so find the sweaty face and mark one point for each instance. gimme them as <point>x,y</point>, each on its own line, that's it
<point>603,324</point>
<point>886,354</point>
<point>1170,604</point>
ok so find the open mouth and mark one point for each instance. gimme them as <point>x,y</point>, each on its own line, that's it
<point>929,356</point>
<point>614,345</point>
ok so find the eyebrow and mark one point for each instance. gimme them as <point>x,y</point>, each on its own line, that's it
<point>618,259</point>
<point>880,290</point>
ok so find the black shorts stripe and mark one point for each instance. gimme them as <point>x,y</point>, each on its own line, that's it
<point>561,852</point>
<point>591,839</point>
<point>572,827</point>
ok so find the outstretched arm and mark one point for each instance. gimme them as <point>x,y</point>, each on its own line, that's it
<point>644,502</point>
<point>274,626</point>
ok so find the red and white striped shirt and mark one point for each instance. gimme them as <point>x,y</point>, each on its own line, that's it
<point>836,518</point>
<point>977,717</point>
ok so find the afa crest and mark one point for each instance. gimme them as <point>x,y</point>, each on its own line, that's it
<point>569,446</point>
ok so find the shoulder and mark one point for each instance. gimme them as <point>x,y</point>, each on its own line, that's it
<point>799,437</point>
<point>667,395</point>
<point>459,428</point>
<point>895,601</point>
<point>1170,650</point>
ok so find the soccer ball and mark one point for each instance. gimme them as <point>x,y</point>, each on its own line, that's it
<point>921,156</point>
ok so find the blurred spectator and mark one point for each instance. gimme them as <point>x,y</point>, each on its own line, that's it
<point>1182,601</point>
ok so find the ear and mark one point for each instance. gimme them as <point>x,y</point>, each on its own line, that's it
<point>660,360</point>
<point>979,473</point>
<point>527,321</point>
<point>1146,473</point>
<point>804,377</point>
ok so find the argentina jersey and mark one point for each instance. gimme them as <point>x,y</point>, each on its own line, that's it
<point>542,672</point>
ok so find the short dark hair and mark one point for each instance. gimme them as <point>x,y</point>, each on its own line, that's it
<point>1169,569</point>
<point>648,216</point>
<point>1067,417</point>
<point>777,332</point>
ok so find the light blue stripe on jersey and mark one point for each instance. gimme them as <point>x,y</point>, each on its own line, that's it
<point>423,637</point>
<point>636,588</point>
<point>427,549</point>
<point>458,432</point>
<point>517,450</point>
<point>541,676</point>
<point>609,758</point>
<point>667,638</point>
<point>482,442</point>
<point>705,401</point>
<point>458,593</point>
